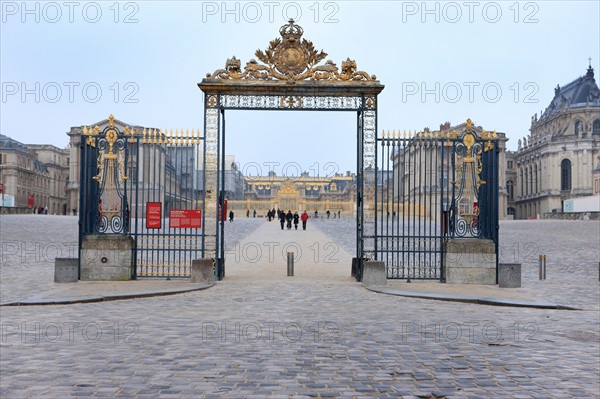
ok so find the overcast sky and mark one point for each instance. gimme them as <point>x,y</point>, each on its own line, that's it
<point>73,63</point>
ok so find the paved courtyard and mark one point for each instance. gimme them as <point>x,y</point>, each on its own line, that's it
<point>259,333</point>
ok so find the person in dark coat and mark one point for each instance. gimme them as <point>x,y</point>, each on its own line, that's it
<point>282,219</point>
<point>296,220</point>
<point>231,216</point>
<point>289,218</point>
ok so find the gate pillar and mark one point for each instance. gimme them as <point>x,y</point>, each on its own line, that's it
<point>107,258</point>
<point>470,261</point>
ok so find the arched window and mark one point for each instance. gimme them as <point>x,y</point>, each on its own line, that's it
<point>565,175</point>
<point>510,188</point>
<point>578,128</point>
<point>596,127</point>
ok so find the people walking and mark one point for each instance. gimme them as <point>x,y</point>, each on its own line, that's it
<point>296,220</point>
<point>282,219</point>
<point>304,218</point>
<point>231,216</point>
<point>288,219</point>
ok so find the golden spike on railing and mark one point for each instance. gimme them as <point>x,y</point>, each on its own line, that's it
<point>395,135</point>
<point>483,135</point>
<point>145,136</point>
<point>495,136</point>
<point>85,130</point>
<point>96,130</point>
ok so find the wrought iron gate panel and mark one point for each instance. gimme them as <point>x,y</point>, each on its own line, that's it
<point>103,199</point>
<point>155,178</point>
<point>430,187</point>
<point>165,179</point>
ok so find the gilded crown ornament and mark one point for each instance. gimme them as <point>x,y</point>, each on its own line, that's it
<point>291,58</point>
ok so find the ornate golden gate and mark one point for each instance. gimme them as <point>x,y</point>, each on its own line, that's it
<point>290,77</point>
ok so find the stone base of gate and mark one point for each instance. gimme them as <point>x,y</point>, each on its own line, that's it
<point>107,258</point>
<point>66,270</point>
<point>374,274</point>
<point>470,261</point>
<point>203,271</point>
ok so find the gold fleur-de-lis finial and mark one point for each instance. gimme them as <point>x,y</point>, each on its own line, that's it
<point>469,124</point>
<point>111,120</point>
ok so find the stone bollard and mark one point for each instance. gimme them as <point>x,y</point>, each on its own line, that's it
<point>542,263</point>
<point>353,270</point>
<point>374,273</point>
<point>66,270</point>
<point>290,264</point>
<point>509,275</point>
<point>203,271</point>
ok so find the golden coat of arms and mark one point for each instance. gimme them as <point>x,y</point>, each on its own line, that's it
<point>291,58</point>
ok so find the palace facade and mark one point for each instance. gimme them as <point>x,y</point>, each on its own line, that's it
<point>261,194</point>
<point>33,175</point>
<point>555,162</point>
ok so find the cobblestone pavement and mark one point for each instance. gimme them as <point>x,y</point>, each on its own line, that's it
<point>29,244</point>
<point>259,333</point>
<point>572,250</point>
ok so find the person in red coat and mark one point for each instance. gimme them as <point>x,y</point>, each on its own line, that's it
<point>304,218</point>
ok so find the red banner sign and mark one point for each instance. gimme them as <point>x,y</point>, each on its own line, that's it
<point>30,201</point>
<point>223,214</point>
<point>153,215</point>
<point>185,218</point>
